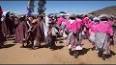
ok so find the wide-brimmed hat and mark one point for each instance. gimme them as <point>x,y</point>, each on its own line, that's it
<point>67,14</point>
<point>72,15</point>
<point>96,18</point>
<point>103,16</point>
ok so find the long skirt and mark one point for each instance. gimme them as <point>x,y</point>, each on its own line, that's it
<point>92,37</point>
<point>19,33</point>
<point>70,36</point>
<point>4,28</point>
<point>73,39</point>
<point>2,37</point>
<point>102,42</point>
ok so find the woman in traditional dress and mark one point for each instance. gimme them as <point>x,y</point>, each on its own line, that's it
<point>8,23</point>
<point>2,38</point>
<point>80,22</point>
<point>86,22</point>
<point>37,32</point>
<point>74,26</point>
<point>102,36</point>
<point>59,22</point>
<point>92,30</point>
<point>20,30</point>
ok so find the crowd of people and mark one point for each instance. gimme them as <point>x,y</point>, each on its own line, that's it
<point>33,30</point>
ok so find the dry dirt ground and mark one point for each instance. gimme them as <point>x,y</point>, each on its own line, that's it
<point>14,54</point>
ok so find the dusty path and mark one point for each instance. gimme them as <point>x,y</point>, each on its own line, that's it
<point>17,55</point>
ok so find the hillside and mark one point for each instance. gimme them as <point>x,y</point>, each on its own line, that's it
<point>111,10</point>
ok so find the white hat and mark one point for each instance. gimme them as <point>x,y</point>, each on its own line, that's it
<point>96,18</point>
<point>67,14</point>
<point>103,16</point>
<point>71,15</point>
<point>61,14</point>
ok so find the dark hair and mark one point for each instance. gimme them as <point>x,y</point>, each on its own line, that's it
<point>32,17</point>
<point>91,18</point>
<point>40,17</point>
<point>79,16</point>
<point>22,18</point>
<point>96,21</point>
<point>7,14</point>
<point>73,18</point>
<point>86,16</point>
<point>104,19</point>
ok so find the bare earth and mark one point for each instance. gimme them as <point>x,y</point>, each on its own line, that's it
<point>14,54</point>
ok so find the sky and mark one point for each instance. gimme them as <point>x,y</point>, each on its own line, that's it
<point>79,7</point>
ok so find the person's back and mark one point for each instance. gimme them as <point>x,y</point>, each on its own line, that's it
<point>105,27</point>
<point>71,26</point>
<point>80,22</point>
<point>102,36</point>
<point>92,27</point>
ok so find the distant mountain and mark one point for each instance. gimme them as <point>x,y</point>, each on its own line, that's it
<point>111,10</point>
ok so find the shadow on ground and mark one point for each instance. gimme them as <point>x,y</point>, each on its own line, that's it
<point>7,46</point>
<point>56,47</point>
<point>77,53</point>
